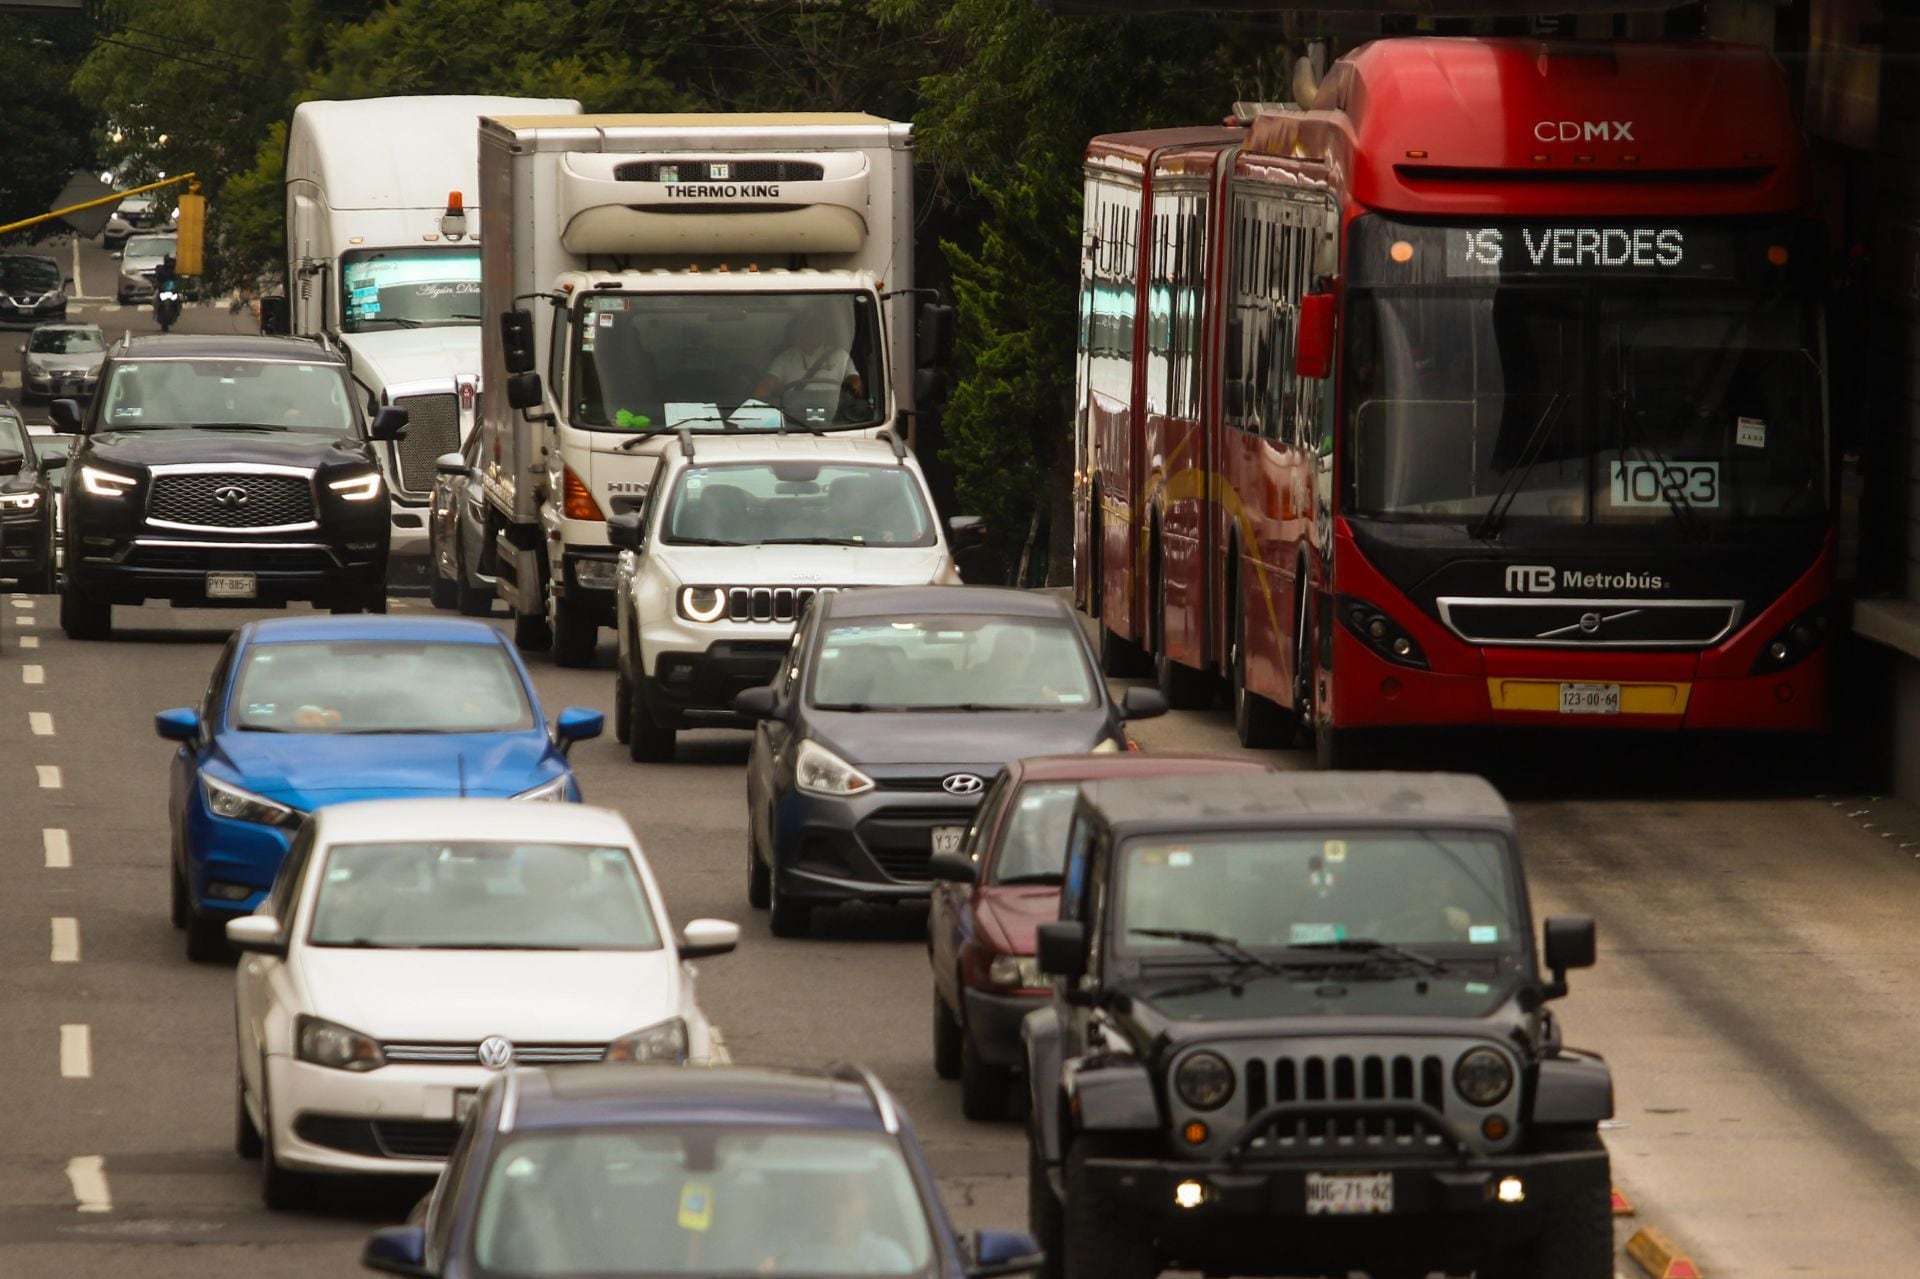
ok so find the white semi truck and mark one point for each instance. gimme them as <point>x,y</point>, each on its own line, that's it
<point>644,275</point>
<point>383,257</point>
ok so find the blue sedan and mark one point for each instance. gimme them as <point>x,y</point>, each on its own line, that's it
<point>302,712</point>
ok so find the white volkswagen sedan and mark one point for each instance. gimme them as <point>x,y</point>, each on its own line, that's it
<point>411,948</point>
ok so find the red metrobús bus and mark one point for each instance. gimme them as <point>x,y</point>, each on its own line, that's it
<point>1490,391</point>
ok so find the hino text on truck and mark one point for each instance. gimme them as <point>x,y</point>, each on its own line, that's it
<point>645,275</point>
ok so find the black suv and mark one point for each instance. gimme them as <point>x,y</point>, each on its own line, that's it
<point>1299,1027</point>
<point>223,471</point>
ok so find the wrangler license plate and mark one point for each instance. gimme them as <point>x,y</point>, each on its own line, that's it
<point>1589,699</point>
<point>231,586</point>
<point>1349,1193</point>
<point>946,839</point>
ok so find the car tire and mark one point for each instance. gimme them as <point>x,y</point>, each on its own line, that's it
<point>948,1039</point>
<point>82,618</point>
<point>786,917</point>
<point>441,592</point>
<point>575,633</point>
<point>1575,1236</point>
<point>182,909</point>
<point>43,582</point>
<point>1044,1221</point>
<point>986,1090</point>
<point>377,599</point>
<point>759,878</point>
<point>281,1189</point>
<point>1102,1240</point>
<point>648,740</point>
<point>206,938</point>
<point>622,707</point>
<point>530,632</point>
<point>246,1138</point>
<point>470,600</point>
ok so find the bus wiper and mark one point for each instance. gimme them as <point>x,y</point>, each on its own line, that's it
<point>1631,437</point>
<point>1226,947</point>
<point>1536,444</point>
<point>1378,949</point>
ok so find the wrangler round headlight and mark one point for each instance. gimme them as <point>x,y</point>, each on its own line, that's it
<point>1483,1077</point>
<point>1204,1081</point>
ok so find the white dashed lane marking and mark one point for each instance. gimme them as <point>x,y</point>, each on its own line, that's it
<point>66,939</point>
<point>76,1052</point>
<point>41,722</point>
<point>23,601</point>
<point>58,847</point>
<point>87,1174</point>
<point>31,674</point>
<point>29,641</point>
<point>49,776</point>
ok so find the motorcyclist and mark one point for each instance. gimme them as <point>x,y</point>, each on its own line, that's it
<point>166,293</point>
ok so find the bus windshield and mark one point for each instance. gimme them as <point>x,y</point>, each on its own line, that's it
<point>1623,375</point>
<point>727,361</point>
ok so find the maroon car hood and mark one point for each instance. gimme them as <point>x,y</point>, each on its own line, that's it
<point>1009,914</point>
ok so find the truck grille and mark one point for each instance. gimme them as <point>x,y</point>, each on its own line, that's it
<point>736,171</point>
<point>770,603</point>
<point>469,1054</point>
<point>213,500</point>
<point>1591,623</point>
<point>433,429</point>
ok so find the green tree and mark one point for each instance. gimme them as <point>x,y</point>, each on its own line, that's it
<point>47,137</point>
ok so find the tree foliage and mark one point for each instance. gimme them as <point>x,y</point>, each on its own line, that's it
<point>47,131</point>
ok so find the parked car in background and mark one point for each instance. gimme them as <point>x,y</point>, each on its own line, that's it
<point>603,1171</point>
<point>456,533</point>
<point>53,449</point>
<point>61,360</point>
<point>302,712</point>
<point>894,710</point>
<point>412,948</point>
<point>990,896</point>
<point>32,288</point>
<point>139,261</point>
<point>27,506</point>
<point>134,214</point>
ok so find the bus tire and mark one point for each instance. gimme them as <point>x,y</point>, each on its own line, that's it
<point>1185,688</point>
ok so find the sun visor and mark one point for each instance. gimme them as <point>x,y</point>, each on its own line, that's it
<point>772,203</point>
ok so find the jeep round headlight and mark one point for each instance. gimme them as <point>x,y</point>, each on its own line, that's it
<point>1204,1081</point>
<point>1483,1077</point>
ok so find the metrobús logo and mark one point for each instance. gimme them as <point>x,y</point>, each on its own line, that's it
<point>1544,579</point>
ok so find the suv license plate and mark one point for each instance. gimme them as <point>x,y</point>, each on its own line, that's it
<point>946,839</point>
<point>1589,699</point>
<point>1349,1193</point>
<point>230,586</point>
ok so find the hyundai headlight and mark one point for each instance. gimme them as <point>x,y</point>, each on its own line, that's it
<point>229,801</point>
<point>554,792</point>
<point>664,1044</point>
<point>1204,1081</point>
<point>819,771</point>
<point>325,1044</point>
<point>358,488</point>
<point>1483,1077</point>
<point>1016,971</point>
<point>106,483</point>
<point>702,603</point>
<point>19,501</point>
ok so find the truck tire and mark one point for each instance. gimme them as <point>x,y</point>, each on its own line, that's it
<point>1575,1240</point>
<point>82,617</point>
<point>530,633</point>
<point>1102,1240</point>
<point>1043,1214</point>
<point>470,600</point>
<point>575,633</point>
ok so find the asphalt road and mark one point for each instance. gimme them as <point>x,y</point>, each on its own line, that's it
<point>1754,993</point>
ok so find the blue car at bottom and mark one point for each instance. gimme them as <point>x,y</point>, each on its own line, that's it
<point>601,1171</point>
<point>302,712</point>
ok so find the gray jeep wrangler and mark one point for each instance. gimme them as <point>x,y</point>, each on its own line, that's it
<point>1299,1027</point>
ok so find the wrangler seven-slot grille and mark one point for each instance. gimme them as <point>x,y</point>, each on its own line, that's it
<point>433,429</point>
<point>1361,1078</point>
<point>239,501</point>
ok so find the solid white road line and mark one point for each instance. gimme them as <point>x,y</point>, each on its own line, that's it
<point>32,674</point>
<point>76,1052</point>
<point>59,848</point>
<point>79,285</point>
<point>41,722</point>
<point>29,641</point>
<point>49,776</point>
<point>66,939</point>
<point>87,1174</point>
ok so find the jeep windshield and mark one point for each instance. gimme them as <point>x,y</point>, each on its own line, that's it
<point>726,361</point>
<point>1318,893</point>
<point>798,502</point>
<point>145,395</point>
<point>961,663</point>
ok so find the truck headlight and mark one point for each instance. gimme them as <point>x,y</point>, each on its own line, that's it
<point>1204,1081</point>
<point>664,1044</point>
<point>702,603</point>
<point>105,483</point>
<point>820,771</point>
<point>1021,972</point>
<point>358,488</point>
<point>1483,1077</point>
<point>325,1044</point>
<point>229,801</point>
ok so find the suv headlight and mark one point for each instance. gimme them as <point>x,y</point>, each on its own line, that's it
<point>36,369</point>
<point>358,488</point>
<point>228,800</point>
<point>664,1044</point>
<point>1204,1081</point>
<point>554,791</point>
<point>1483,1077</point>
<point>821,772</point>
<point>702,603</point>
<point>19,501</point>
<point>325,1044</point>
<point>1017,971</point>
<point>105,483</point>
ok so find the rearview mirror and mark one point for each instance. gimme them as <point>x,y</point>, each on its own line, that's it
<point>66,416</point>
<point>1569,942</point>
<point>954,868</point>
<point>181,724</point>
<point>276,319</point>
<point>397,1250</point>
<point>626,531</point>
<point>704,937</point>
<point>516,342</point>
<point>390,423</point>
<point>1061,947</point>
<point>53,463</point>
<point>754,703</point>
<point>1313,345</point>
<point>450,464</point>
<point>256,935</point>
<point>523,391</point>
<point>1142,703</point>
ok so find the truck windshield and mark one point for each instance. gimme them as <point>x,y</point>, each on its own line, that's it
<point>1623,375</point>
<point>720,361</point>
<point>409,288</point>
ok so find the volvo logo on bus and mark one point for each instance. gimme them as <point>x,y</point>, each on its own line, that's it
<point>1583,131</point>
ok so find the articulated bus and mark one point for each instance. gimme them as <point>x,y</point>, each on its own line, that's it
<point>1488,391</point>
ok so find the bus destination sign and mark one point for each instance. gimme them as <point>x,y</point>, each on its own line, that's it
<point>1536,250</point>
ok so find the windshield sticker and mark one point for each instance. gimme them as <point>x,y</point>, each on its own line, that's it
<point>339,874</point>
<point>1315,934</point>
<point>127,411</point>
<point>1071,699</point>
<point>606,319</point>
<point>830,653</point>
<point>1483,934</point>
<point>1751,433</point>
<point>1335,851</point>
<point>586,337</point>
<point>696,1206</point>
<point>1477,988</point>
<point>1179,857</point>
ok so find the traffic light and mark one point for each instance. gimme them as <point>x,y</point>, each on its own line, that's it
<point>189,252</point>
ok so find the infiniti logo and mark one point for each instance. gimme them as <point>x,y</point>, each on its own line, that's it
<point>963,784</point>
<point>231,495</point>
<point>496,1052</point>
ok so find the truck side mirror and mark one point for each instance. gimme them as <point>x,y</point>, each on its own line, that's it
<point>1061,947</point>
<point>516,343</point>
<point>276,319</point>
<point>1313,345</point>
<point>523,390</point>
<point>936,336</point>
<point>930,388</point>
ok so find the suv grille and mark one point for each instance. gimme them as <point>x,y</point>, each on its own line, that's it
<point>226,501</point>
<point>1592,623</point>
<point>433,429</point>
<point>469,1054</point>
<point>770,603</point>
<point>736,171</point>
<point>1398,1077</point>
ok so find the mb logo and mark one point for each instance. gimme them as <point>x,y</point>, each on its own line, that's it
<point>1530,579</point>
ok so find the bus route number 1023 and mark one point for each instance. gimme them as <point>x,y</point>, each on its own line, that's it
<point>1666,483</point>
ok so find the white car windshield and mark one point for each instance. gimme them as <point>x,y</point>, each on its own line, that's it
<point>481,896</point>
<point>964,662</point>
<point>363,686</point>
<point>748,504</point>
<point>697,1201</point>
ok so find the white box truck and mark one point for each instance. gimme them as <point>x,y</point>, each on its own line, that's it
<point>383,257</point>
<point>644,275</point>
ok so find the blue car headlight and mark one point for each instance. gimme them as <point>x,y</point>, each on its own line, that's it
<point>554,791</point>
<point>229,801</point>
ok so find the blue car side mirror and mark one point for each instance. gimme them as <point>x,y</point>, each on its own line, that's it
<point>1003,1252</point>
<point>577,724</point>
<point>181,724</point>
<point>397,1250</point>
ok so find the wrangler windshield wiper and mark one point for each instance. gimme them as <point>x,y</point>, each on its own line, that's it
<point>1376,949</point>
<point>1225,946</point>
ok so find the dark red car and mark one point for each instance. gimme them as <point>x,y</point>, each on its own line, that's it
<point>990,896</point>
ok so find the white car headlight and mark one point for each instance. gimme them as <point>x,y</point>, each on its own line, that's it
<point>325,1044</point>
<point>702,603</point>
<point>820,771</point>
<point>664,1044</point>
<point>228,800</point>
<point>554,791</point>
<point>358,488</point>
<point>105,483</point>
<point>1021,971</point>
<point>19,501</point>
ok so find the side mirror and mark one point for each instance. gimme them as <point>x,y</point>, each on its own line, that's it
<point>450,464</point>
<point>1569,942</point>
<point>256,935</point>
<point>390,423</point>
<point>523,390</point>
<point>66,416</point>
<point>11,462</point>
<point>397,1250</point>
<point>516,342</point>
<point>936,335</point>
<point>754,703</point>
<point>1003,1252</point>
<point>1061,947</point>
<point>966,531</point>
<point>276,316</point>
<point>704,937</point>
<point>577,724</point>
<point>181,724</point>
<point>67,283</point>
<point>1142,703</point>
<point>930,388</point>
<point>626,531</point>
<point>53,463</point>
<point>1313,345</point>
<point>954,868</point>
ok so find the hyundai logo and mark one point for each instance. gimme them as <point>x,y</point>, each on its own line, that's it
<point>963,784</point>
<point>231,495</point>
<point>496,1052</point>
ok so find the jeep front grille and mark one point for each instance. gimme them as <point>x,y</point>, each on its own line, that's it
<point>1371,1077</point>
<point>433,429</point>
<point>769,603</point>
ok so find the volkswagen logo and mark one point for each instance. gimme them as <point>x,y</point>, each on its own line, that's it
<point>231,495</point>
<point>496,1052</point>
<point>963,784</point>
